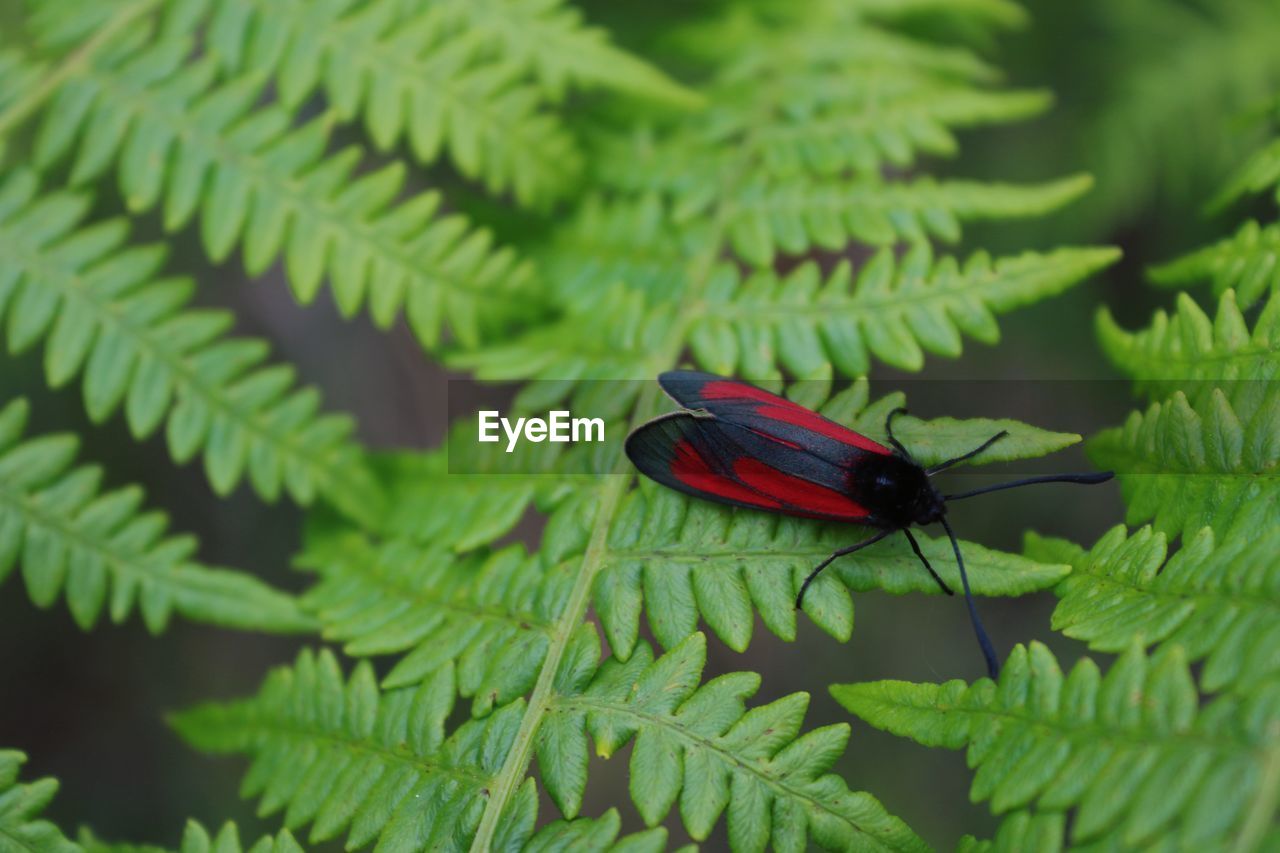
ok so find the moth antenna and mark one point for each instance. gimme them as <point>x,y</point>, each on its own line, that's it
<point>1084,479</point>
<point>988,651</point>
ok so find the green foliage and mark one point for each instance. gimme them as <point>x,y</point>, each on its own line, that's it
<point>1189,352</point>
<point>20,807</point>
<point>1248,261</point>
<point>1135,757</point>
<point>1189,467</point>
<point>257,180</point>
<point>103,550</point>
<point>894,310</point>
<point>105,311</point>
<point>492,614</point>
<point>1217,597</point>
<point>675,218</point>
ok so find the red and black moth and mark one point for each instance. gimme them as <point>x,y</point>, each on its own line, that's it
<point>738,444</point>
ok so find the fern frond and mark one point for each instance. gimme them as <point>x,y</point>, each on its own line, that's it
<point>105,312</point>
<point>549,39</point>
<point>894,310</point>
<point>1189,352</point>
<point>681,559</point>
<point>757,326</point>
<point>490,614</point>
<point>1218,597</point>
<point>197,839</point>
<point>797,216</point>
<point>103,550</point>
<point>698,744</point>
<point>1132,753</point>
<point>1248,262</point>
<point>187,143</point>
<point>344,756</point>
<point>409,75</point>
<point>1185,468</point>
<point>883,121</point>
<point>20,808</point>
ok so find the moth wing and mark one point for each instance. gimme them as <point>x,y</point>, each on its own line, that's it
<point>767,416</point>
<point>702,457</point>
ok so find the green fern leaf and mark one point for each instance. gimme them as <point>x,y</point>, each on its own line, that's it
<point>799,216</point>
<point>343,756</point>
<point>758,326</point>
<point>887,120</point>
<point>894,310</point>
<point>105,313</point>
<point>409,75</point>
<point>549,40</point>
<point>1132,754</point>
<point>104,551</point>
<point>699,745</point>
<point>1187,468</point>
<point>20,807</point>
<point>1191,353</point>
<point>684,559</point>
<point>256,180</point>
<point>491,614</point>
<point>1248,261</point>
<point>1216,597</point>
<point>197,839</point>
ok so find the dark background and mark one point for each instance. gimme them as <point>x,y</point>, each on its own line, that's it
<point>87,708</point>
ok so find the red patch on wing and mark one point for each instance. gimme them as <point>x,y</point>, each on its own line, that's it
<point>727,389</point>
<point>690,468</point>
<point>781,409</point>
<point>814,422</point>
<point>809,498</point>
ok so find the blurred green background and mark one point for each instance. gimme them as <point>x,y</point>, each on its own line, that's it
<point>1156,98</point>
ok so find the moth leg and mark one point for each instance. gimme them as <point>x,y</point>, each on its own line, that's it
<point>888,429</point>
<point>915,546</point>
<point>942,466</point>
<point>842,552</point>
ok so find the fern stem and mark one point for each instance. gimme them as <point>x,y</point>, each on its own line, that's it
<point>518,757</point>
<point>20,109</point>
